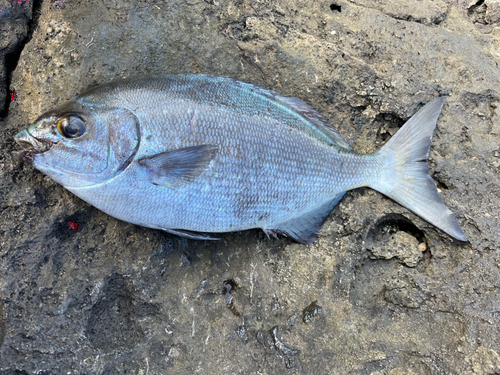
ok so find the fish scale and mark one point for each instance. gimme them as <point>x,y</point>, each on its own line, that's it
<point>192,154</point>
<point>263,192</point>
<point>265,185</point>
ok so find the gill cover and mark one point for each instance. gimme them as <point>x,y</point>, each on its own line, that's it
<point>90,144</point>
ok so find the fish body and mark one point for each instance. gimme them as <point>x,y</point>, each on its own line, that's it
<point>194,154</point>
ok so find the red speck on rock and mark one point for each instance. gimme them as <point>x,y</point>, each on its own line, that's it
<point>73,225</point>
<point>18,2</point>
<point>13,95</point>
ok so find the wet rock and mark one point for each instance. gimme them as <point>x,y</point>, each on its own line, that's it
<point>425,12</point>
<point>14,26</point>
<point>400,245</point>
<point>229,286</point>
<point>394,236</point>
<point>280,345</point>
<point>241,331</point>
<point>310,312</point>
<point>112,297</point>
<point>266,339</point>
<point>272,342</point>
<point>485,361</point>
<point>112,323</point>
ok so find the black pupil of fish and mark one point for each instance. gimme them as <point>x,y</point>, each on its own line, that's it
<point>73,127</point>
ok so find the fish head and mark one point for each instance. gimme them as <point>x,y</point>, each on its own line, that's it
<point>81,144</point>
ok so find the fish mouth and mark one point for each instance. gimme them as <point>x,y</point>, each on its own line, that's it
<point>31,145</point>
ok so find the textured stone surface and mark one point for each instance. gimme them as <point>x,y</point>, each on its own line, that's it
<point>14,25</point>
<point>383,292</point>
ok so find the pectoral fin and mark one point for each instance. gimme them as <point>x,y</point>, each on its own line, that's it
<point>177,168</point>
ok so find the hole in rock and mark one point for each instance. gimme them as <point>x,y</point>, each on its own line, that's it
<point>335,7</point>
<point>390,224</point>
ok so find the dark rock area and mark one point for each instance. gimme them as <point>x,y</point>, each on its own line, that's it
<point>381,292</point>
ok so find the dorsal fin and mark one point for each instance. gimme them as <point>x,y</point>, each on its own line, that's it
<point>238,95</point>
<point>312,115</point>
<point>321,129</point>
<point>309,113</point>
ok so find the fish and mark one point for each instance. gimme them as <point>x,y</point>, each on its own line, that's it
<point>196,154</point>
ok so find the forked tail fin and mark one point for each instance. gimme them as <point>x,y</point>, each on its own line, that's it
<point>407,179</point>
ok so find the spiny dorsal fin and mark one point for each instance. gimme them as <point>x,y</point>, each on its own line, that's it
<point>239,95</point>
<point>319,128</point>
<point>314,117</point>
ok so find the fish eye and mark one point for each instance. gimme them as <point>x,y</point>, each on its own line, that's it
<point>71,126</point>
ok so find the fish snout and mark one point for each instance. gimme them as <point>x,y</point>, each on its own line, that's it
<point>31,145</point>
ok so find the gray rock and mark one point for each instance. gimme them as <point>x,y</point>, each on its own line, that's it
<point>388,239</point>
<point>14,26</point>
<point>110,297</point>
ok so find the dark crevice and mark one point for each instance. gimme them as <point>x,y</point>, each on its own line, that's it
<point>482,14</point>
<point>229,286</point>
<point>388,124</point>
<point>438,179</point>
<point>474,7</point>
<point>335,7</point>
<point>390,224</point>
<point>12,58</point>
<point>310,312</point>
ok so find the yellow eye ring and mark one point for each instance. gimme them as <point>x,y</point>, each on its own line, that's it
<point>71,126</point>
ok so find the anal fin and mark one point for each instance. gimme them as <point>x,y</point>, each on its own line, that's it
<point>305,228</point>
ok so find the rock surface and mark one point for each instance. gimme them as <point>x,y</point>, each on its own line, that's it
<point>381,292</point>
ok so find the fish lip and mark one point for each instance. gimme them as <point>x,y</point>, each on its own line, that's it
<point>27,155</point>
<point>31,145</point>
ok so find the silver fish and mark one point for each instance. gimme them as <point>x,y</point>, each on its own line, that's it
<point>193,154</point>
